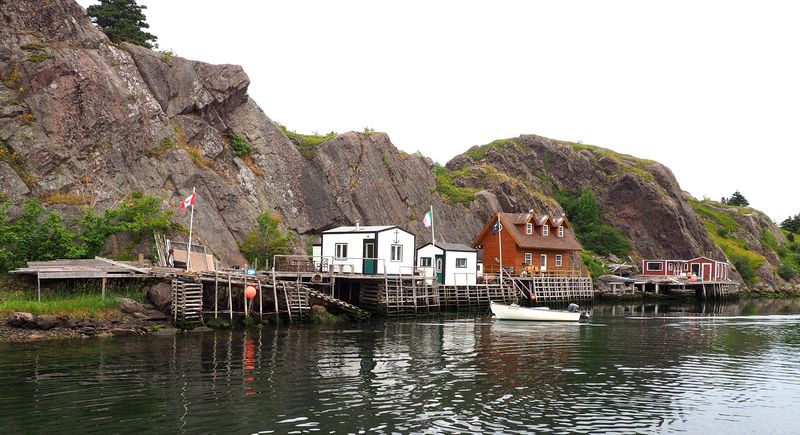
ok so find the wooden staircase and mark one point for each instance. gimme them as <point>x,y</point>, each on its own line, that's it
<point>294,299</point>
<point>187,302</point>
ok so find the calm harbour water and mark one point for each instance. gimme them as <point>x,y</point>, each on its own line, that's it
<point>450,374</point>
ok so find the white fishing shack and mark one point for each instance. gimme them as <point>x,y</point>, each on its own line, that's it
<point>368,250</point>
<point>451,263</point>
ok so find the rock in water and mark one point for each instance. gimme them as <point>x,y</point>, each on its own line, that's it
<point>47,322</point>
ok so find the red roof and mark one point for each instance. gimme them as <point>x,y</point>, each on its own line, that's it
<point>533,241</point>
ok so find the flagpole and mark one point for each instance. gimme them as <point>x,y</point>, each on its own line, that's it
<point>189,246</point>
<point>500,242</point>
<point>433,233</point>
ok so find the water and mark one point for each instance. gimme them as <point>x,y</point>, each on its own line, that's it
<point>685,373</point>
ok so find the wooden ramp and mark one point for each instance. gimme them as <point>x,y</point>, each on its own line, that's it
<point>352,310</point>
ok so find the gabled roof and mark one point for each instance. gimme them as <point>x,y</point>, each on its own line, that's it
<point>530,241</point>
<point>459,247</point>
<point>360,229</point>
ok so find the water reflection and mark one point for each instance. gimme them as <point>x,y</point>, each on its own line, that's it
<point>450,374</point>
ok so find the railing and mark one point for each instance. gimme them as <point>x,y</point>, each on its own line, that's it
<point>531,270</point>
<point>301,263</point>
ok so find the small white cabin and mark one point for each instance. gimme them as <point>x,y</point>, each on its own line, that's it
<point>452,263</point>
<point>368,250</point>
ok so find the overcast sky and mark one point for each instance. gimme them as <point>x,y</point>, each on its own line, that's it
<point>709,88</point>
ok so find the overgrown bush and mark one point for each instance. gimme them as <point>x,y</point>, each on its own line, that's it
<point>745,268</point>
<point>786,272</point>
<point>584,214</point>
<point>38,235</point>
<point>595,266</point>
<point>262,244</point>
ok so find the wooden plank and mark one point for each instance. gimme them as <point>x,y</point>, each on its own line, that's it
<point>122,265</point>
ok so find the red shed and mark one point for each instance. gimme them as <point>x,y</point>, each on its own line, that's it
<point>704,268</point>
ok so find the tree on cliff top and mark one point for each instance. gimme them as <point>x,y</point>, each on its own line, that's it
<point>122,21</point>
<point>736,199</point>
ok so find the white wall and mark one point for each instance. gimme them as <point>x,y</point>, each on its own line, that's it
<point>355,251</point>
<point>385,242</point>
<point>460,276</point>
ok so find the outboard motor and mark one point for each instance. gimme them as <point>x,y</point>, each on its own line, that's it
<point>573,308</point>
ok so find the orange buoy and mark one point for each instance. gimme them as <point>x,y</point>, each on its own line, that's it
<point>533,297</point>
<point>250,292</point>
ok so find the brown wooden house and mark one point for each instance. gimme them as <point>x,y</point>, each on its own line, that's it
<point>532,243</point>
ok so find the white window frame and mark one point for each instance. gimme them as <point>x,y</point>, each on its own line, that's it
<point>545,229</point>
<point>659,263</point>
<point>559,260</point>
<point>669,266</point>
<point>528,258</point>
<point>528,228</point>
<point>397,253</point>
<point>339,249</point>
<point>543,257</point>
<point>561,231</point>
<point>423,260</point>
<point>462,261</point>
<point>685,267</point>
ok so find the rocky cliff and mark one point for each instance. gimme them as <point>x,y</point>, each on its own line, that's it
<point>84,122</point>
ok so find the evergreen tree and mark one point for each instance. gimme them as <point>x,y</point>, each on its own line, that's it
<point>122,21</point>
<point>738,200</point>
<point>792,224</point>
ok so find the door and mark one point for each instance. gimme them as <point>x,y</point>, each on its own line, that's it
<point>696,269</point>
<point>440,269</point>
<point>543,262</point>
<point>370,262</point>
<point>707,272</point>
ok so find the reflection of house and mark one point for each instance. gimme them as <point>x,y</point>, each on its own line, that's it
<point>702,267</point>
<point>368,249</point>
<point>530,242</point>
<point>453,264</point>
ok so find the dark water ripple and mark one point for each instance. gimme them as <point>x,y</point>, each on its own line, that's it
<point>616,375</point>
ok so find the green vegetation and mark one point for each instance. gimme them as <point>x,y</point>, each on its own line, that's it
<point>167,55</point>
<point>736,200</point>
<point>478,153</point>
<point>787,272</point>
<point>584,214</point>
<point>239,146</point>
<point>627,163</point>
<point>36,235</point>
<point>722,228</point>
<point>595,266</point>
<point>82,301</point>
<point>65,198</point>
<point>8,155</point>
<point>447,189</point>
<point>792,225</point>
<point>122,21</point>
<point>306,143</point>
<point>262,244</point>
<point>368,131</point>
<point>165,145</point>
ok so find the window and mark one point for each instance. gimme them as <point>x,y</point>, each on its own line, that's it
<point>528,258</point>
<point>543,261</point>
<point>669,266</point>
<point>425,261</point>
<point>560,231</point>
<point>461,263</point>
<point>397,252</point>
<point>559,260</point>
<point>655,266</point>
<point>545,229</point>
<point>341,251</point>
<point>685,266</point>
<point>528,228</point>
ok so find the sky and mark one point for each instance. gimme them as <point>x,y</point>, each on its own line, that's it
<point>709,88</point>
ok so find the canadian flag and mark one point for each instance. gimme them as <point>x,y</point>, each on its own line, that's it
<point>188,201</point>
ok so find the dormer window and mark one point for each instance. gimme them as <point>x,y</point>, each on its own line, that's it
<point>561,231</point>
<point>545,229</point>
<point>528,228</point>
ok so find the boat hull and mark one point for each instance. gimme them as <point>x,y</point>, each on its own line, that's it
<point>513,312</point>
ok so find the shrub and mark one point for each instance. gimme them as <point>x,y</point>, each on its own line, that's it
<point>786,272</point>
<point>595,266</point>
<point>239,146</point>
<point>584,214</point>
<point>745,268</point>
<point>306,143</point>
<point>263,243</point>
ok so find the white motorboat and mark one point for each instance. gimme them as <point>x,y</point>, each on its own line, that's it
<point>516,312</point>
